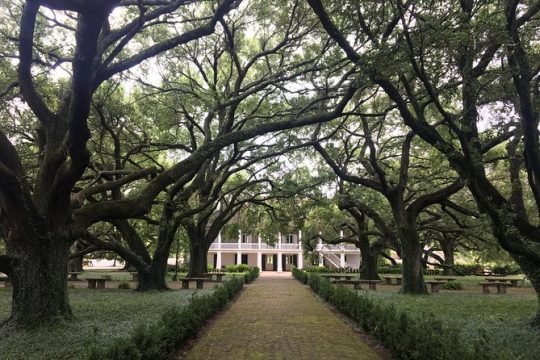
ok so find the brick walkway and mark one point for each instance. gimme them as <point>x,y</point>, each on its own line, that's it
<point>279,318</point>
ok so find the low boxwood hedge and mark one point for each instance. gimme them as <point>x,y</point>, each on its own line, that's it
<point>408,337</point>
<point>158,341</point>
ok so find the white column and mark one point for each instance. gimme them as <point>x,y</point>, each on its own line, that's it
<point>300,239</point>
<point>238,258</point>
<point>279,240</point>
<point>342,260</point>
<point>341,234</point>
<point>300,260</point>
<point>321,259</point>
<point>279,263</point>
<point>219,240</point>
<point>218,261</point>
<point>259,240</point>
<point>239,239</point>
<point>259,260</point>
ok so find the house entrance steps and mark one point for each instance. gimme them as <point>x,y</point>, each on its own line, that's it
<point>277,317</point>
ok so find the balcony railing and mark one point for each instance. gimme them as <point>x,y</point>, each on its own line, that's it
<point>254,246</point>
<point>336,248</point>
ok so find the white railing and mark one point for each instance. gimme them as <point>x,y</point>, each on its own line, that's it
<point>337,248</point>
<point>254,246</point>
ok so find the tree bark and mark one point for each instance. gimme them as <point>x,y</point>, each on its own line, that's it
<point>153,278</point>
<point>198,261</point>
<point>39,279</point>
<point>369,257</point>
<point>448,247</point>
<point>413,276</point>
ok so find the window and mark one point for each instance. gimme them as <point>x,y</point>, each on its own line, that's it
<point>245,238</point>
<point>289,260</point>
<point>270,260</point>
<point>289,239</point>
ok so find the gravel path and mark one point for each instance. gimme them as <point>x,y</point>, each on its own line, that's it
<point>279,318</point>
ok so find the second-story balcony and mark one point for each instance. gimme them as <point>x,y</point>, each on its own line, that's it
<point>255,246</point>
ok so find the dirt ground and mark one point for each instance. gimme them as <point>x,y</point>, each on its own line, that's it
<point>277,317</point>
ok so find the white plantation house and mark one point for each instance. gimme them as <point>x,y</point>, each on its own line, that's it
<point>285,252</point>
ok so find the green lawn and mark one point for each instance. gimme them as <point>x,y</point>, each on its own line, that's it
<point>100,317</point>
<point>502,318</point>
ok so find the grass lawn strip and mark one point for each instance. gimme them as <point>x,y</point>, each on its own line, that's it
<point>279,319</point>
<point>101,316</point>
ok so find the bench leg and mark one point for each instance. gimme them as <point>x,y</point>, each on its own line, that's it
<point>398,281</point>
<point>388,281</point>
<point>185,284</point>
<point>357,286</point>
<point>101,284</point>
<point>91,284</point>
<point>485,289</point>
<point>373,286</point>
<point>199,284</point>
<point>501,289</point>
<point>435,288</point>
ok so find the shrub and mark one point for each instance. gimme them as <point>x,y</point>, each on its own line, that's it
<point>251,275</point>
<point>317,269</point>
<point>300,274</point>
<point>389,269</point>
<point>242,268</point>
<point>231,268</point>
<point>158,341</point>
<point>452,285</point>
<point>407,336</point>
<point>124,285</point>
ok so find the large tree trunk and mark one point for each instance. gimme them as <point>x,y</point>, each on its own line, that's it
<point>448,247</point>
<point>154,276</point>
<point>369,257</point>
<point>413,276</point>
<point>198,261</point>
<point>532,271</point>
<point>39,278</point>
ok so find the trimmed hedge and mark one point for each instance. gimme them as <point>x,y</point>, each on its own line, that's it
<point>158,341</point>
<point>300,274</point>
<point>408,337</point>
<point>251,275</point>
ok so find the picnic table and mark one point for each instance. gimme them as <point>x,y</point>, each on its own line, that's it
<point>73,275</point>
<point>339,276</point>
<point>512,280</point>
<point>218,275</point>
<point>199,281</point>
<point>445,278</point>
<point>388,279</point>
<point>96,282</point>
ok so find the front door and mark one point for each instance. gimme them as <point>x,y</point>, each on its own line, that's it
<point>244,259</point>
<point>274,258</point>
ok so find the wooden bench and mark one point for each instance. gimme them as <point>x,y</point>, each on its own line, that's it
<point>512,281</point>
<point>355,282</point>
<point>134,276</point>
<point>199,281</point>
<point>501,286</point>
<point>435,285</point>
<point>388,279</point>
<point>445,278</point>
<point>73,275</point>
<point>96,283</point>
<point>218,275</point>
<point>372,284</point>
<point>6,280</point>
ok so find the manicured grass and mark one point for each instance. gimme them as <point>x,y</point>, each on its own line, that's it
<point>501,319</point>
<point>100,317</point>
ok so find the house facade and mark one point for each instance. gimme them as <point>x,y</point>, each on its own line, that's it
<point>285,252</point>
